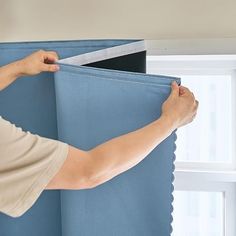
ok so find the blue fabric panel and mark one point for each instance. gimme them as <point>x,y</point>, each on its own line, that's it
<point>30,103</point>
<point>95,105</point>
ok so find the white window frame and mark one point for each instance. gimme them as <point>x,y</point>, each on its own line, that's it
<point>209,56</point>
<point>212,181</point>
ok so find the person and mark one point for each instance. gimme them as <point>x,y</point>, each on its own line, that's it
<point>30,163</point>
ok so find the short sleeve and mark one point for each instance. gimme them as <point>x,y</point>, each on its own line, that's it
<point>27,164</point>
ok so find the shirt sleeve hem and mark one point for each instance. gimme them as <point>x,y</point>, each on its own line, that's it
<point>34,191</point>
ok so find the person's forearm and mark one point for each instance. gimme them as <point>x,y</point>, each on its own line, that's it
<point>121,153</point>
<point>9,73</point>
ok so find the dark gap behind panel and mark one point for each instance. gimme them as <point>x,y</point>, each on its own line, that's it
<point>135,62</point>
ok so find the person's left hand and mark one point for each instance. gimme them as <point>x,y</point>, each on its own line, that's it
<point>38,62</point>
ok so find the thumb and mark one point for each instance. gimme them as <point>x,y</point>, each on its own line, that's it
<point>174,89</point>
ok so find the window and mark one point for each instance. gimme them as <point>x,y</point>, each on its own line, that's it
<point>202,212</point>
<point>205,179</point>
<point>212,123</point>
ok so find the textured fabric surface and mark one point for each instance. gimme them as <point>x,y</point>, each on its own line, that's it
<point>30,104</point>
<point>86,106</point>
<point>27,164</point>
<point>95,105</point>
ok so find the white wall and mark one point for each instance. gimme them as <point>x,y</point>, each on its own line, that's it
<point>22,20</point>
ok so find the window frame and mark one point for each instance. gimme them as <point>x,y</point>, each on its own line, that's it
<point>212,182</point>
<point>192,65</point>
<point>210,56</point>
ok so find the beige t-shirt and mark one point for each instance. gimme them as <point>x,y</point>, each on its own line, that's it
<point>27,164</point>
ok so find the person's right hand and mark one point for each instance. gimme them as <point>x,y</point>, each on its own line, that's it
<point>180,108</point>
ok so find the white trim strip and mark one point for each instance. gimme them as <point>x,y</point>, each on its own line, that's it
<point>192,62</point>
<point>206,176</point>
<point>105,54</point>
<point>216,166</point>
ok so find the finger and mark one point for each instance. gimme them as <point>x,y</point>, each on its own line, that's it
<point>53,53</point>
<point>50,68</point>
<point>50,57</point>
<point>183,90</point>
<point>174,89</point>
<point>183,87</point>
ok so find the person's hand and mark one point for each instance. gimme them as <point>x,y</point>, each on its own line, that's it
<point>180,108</point>
<point>38,62</point>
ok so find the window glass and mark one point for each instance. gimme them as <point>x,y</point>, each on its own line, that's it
<point>198,213</point>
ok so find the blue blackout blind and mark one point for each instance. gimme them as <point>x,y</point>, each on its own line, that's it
<point>85,104</point>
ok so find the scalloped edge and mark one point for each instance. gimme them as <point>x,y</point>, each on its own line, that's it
<point>172,179</point>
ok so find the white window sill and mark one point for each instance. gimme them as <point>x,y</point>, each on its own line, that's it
<point>205,175</point>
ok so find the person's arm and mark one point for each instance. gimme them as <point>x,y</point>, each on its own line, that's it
<point>88,169</point>
<point>31,65</point>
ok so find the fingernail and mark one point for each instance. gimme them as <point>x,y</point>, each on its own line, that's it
<point>174,82</point>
